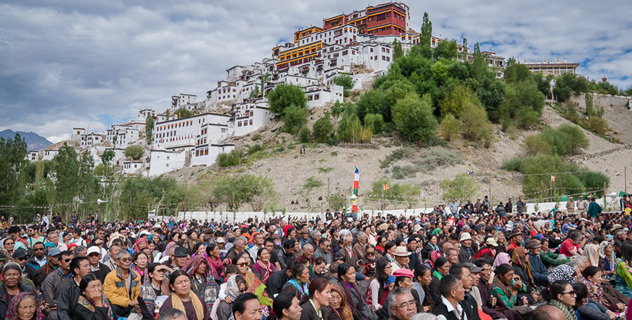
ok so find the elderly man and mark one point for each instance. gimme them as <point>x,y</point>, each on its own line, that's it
<point>452,293</point>
<point>97,268</point>
<point>452,255</point>
<point>238,247</point>
<point>401,304</point>
<point>307,258</point>
<point>112,252</point>
<point>359,249</point>
<point>466,254</point>
<point>538,269</point>
<point>516,239</point>
<point>324,251</point>
<point>401,258</point>
<point>347,250</point>
<point>180,258</point>
<point>122,286</point>
<point>258,244</point>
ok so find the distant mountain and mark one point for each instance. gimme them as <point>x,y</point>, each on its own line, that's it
<point>33,140</point>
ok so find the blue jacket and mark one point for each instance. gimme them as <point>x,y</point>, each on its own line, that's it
<point>538,270</point>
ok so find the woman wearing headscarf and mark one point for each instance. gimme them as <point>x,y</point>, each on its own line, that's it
<point>434,255</point>
<point>24,306</point>
<point>197,268</point>
<point>235,286</point>
<point>11,286</point>
<point>607,259</point>
<point>501,258</point>
<point>140,245</point>
<point>592,252</point>
<point>522,267</point>
<point>214,260</point>
<point>254,284</point>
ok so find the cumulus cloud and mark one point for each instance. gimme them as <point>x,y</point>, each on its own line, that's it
<point>73,63</point>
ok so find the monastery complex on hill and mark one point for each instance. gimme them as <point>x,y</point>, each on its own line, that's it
<point>357,44</point>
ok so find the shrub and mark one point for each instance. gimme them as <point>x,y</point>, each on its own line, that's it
<point>230,159</point>
<point>449,128</point>
<point>134,152</point>
<point>375,122</point>
<point>574,135</point>
<point>255,137</point>
<point>526,117</point>
<point>344,80</point>
<point>474,124</point>
<point>513,164</point>
<point>322,128</point>
<point>283,96</point>
<point>295,117</point>
<point>304,135</point>
<point>535,145</point>
<point>598,125</point>
<point>413,119</point>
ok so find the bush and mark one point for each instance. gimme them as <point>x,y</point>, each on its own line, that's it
<point>535,145</point>
<point>396,155</point>
<point>255,137</point>
<point>575,137</point>
<point>474,124</point>
<point>449,128</point>
<point>598,125</point>
<point>283,96</point>
<point>455,99</point>
<point>255,148</point>
<point>344,80</point>
<point>134,152</point>
<point>304,135</point>
<point>413,119</point>
<point>230,159</point>
<point>295,117</point>
<point>322,128</point>
<point>375,122</point>
<point>526,117</point>
<point>513,164</point>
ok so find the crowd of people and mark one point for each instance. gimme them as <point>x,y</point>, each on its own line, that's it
<point>461,261</point>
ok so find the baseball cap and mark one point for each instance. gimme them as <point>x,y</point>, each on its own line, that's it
<point>94,249</point>
<point>473,268</point>
<point>20,253</point>
<point>54,252</point>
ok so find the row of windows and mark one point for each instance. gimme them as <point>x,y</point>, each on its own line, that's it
<point>244,123</point>
<point>175,125</point>
<point>201,152</point>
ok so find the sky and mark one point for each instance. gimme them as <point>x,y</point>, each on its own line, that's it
<point>91,64</point>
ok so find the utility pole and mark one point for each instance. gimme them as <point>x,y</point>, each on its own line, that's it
<point>604,195</point>
<point>625,180</point>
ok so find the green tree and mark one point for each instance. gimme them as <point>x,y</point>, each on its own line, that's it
<point>398,52</point>
<point>462,188</point>
<point>398,193</point>
<point>231,159</point>
<point>516,72</point>
<point>449,128</point>
<point>182,113</point>
<point>322,128</point>
<point>474,124</point>
<point>413,119</point>
<point>426,31</point>
<point>574,136</point>
<point>303,135</point>
<point>375,122</point>
<point>446,49</point>
<point>344,80</point>
<point>138,194</point>
<point>238,189</point>
<point>106,159</point>
<point>283,96</point>
<point>134,152</point>
<point>149,127</point>
<point>12,161</point>
<point>294,118</point>
<point>66,169</point>
<point>455,99</point>
<point>465,50</point>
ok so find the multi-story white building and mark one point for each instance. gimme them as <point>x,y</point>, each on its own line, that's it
<point>184,100</point>
<point>163,161</point>
<point>182,133</point>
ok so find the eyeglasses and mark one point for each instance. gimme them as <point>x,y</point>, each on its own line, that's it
<point>572,292</point>
<point>125,259</point>
<point>8,243</point>
<point>243,290</point>
<point>410,303</point>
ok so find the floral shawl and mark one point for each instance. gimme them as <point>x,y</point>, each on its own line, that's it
<point>12,309</point>
<point>258,288</point>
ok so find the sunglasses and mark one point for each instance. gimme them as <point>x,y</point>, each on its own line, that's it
<point>244,264</point>
<point>572,293</point>
<point>41,249</point>
<point>93,255</point>
<point>125,259</point>
<point>67,260</point>
<point>22,259</point>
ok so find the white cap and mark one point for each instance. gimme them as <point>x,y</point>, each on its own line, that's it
<point>94,249</point>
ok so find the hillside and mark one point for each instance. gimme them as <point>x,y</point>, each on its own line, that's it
<point>333,166</point>
<point>33,140</point>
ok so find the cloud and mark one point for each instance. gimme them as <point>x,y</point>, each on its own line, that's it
<point>75,63</point>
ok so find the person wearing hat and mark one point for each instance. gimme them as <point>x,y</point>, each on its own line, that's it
<point>97,268</point>
<point>51,265</point>
<point>516,239</point>
<point>20,256</point>
<point>488,251</point>
<point>539,271</point>
<point>401,258</point>
<point>180,257</point>
<point>466,253</point>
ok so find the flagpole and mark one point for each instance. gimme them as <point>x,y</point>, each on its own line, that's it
<point>551,188</point>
